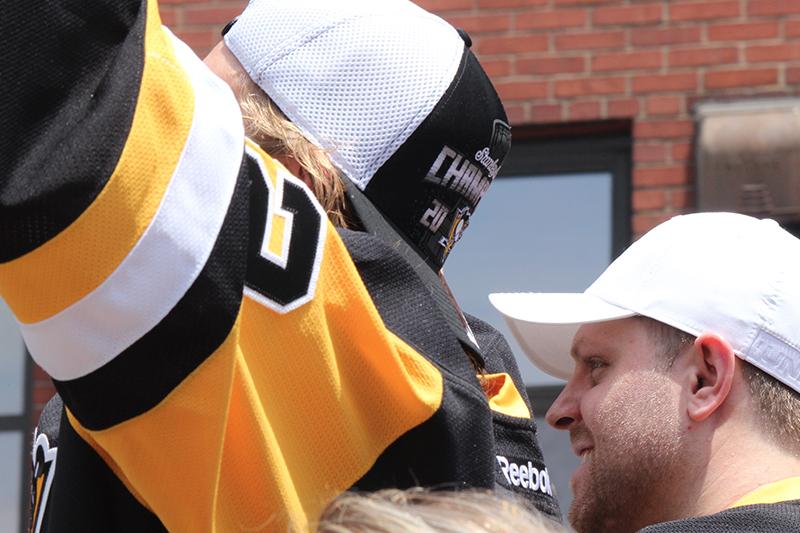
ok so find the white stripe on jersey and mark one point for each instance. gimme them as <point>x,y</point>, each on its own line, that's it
<point>170,254</point>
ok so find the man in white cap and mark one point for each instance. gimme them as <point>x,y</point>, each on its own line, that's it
<point>683,369</point>
<point>234,346</point>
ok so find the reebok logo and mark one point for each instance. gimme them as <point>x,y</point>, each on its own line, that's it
<point>526,476</point>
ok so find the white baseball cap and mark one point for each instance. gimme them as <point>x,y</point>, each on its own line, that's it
<point>729,274</point>
<point>395,96</point>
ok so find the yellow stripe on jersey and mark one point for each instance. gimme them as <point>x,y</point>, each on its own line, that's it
<point>277,240</point>
<point>273,166</point>
<point>255,443</point>
<point>779,491</point>
<point>503,395</point>
<point>72,264</point>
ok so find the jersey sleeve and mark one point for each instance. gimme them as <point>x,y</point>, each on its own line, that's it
<point>204,324</point>
<point>115,194</point>
<point>71,74</point>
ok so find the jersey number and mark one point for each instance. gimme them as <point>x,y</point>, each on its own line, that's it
<point>283,265</point>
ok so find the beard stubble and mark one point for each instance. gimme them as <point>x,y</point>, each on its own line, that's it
<point>636,458</point>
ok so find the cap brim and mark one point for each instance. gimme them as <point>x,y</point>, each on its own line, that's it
<point>544,324</point>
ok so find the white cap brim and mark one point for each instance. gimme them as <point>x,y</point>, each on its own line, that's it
<point>545,324</point>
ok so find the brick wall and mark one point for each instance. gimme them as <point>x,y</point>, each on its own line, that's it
<point>556,61</point>
<point>590,60</point>
<point>648,61</point>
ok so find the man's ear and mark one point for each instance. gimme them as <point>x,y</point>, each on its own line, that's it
<point>712,369</point>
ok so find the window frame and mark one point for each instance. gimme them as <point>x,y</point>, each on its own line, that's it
<point>551,151</point>
<point>22,423</point>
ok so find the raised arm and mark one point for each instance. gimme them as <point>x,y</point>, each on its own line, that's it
<point>121,154</point>
<point>71,71</point>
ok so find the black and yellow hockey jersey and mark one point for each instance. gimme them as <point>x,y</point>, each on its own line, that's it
<point>227,359</point>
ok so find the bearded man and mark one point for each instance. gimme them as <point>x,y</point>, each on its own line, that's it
<point>683,369</point>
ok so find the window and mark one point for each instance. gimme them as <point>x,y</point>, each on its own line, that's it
<point>553,220</point>
<point>14,417</point>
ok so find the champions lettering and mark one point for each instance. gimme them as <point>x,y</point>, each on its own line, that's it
<point>456,172</point>
<point>525,476</point>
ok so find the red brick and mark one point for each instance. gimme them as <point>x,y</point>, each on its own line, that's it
<point>660,176</point>
<point>626,61</point>
<point>681,151</point>
<point>681,199</point>
<point>210,15</point>
<point>590,86</point>
<point>625,108</point>
<point>664,83</point>
<point>649,153</point>
<point>773,7</point>
<point>516,113</point>
<point>489,4</point>
<point>703,10</point>
<point>36,413</point>
<point>726,79</point>
<point>445,5</point>
<point>583,2</point>
<point>476,24</point>
<point>551,20</point>
<point>168,16</point>
<point>649,199</point>
<point>703,56</point>
<point>590,40</point>
<point>663,129</point>
<point>793,75</point>
<point>42,394</point>
<point>631,15</point>
<point>199,39</point>
<point>792,28</point>
<point>511,45</point>
<point>584,110</point>
<point>664,105</point>
<point>643,223</point>
<point>496,68</point>
<point>659,37</point>
<point>773,53</point>
<point>551,65</point>
<point>522,90</point>
<point>547,113</point>
<point>38,373</point>
<point>743,32</point>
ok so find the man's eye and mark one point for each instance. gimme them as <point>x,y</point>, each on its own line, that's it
<point>596,367</point>
<point>595,363</point>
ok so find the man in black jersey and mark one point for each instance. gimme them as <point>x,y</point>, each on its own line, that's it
<point>229,358</point>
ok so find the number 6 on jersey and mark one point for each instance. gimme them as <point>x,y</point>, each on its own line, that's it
<point>283,264</point>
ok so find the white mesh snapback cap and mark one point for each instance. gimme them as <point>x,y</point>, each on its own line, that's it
<point>394,95</point>
<point>725,273</point>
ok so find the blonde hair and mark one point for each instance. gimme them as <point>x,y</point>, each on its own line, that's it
<point>266,124</point>
<point>419,510</point>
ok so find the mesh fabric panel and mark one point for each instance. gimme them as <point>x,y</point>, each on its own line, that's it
<point>356,76</point>
<point>762,518</point>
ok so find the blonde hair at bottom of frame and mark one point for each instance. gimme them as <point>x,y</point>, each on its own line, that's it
<point>420,510</point>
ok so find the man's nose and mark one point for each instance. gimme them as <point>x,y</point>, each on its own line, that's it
<point>565,411</point>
